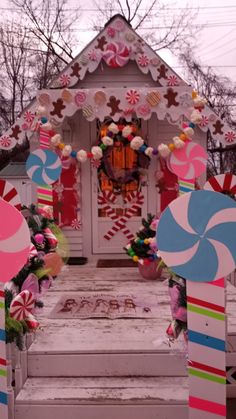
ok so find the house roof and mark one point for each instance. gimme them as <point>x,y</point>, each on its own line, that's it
<point>13,170</point>
<point>115,46</point>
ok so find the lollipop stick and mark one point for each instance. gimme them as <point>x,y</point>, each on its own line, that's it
<point>206,343</point>
<point>3,363</point>
<point>44,192</point>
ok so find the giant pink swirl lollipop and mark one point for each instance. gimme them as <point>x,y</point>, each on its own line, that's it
<point>14,241</point>
<point>188,162</point>
<point>196,236</point>
<point>116,54</point>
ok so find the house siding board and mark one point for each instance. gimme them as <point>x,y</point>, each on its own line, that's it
<point>128,76</point>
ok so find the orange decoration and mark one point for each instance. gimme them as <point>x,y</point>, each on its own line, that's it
<point>183,137</point>
<point>171,146</point>
<point>53,262</point>
<point>61,146</point>
<point>103,132</point>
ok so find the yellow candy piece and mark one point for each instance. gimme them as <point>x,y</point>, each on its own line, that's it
<point>135,258</point>
<point>171,147</point>
<point>61,146</point>
<point>146,241</point>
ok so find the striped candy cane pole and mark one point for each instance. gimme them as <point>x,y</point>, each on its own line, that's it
<point>206,343</point>
<point>3,363</point>
<point>44,192</point>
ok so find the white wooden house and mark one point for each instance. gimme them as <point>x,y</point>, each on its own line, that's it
<point>99,83</point>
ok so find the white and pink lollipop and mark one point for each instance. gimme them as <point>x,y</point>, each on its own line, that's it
<point>14,241</point>
<point>188,162</point>
<point>196,236</point>
<point>116,54</point>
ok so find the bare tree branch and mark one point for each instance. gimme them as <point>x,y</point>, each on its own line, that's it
<point>221,95</point>
<point>164,30</point>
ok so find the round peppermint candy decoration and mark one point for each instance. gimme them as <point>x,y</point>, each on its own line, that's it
<point>132,97</point>
<point>196,236</point>
<point>22,305</point>
<point>43,167</point>
<point>116,54</point>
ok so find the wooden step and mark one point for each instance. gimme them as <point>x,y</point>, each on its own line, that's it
<point>103,398</point>
<point>106,364</point>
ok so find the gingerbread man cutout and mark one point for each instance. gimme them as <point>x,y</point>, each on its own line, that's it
<point>58,108</point>
<point>75,70</point>
<point>15,132</point>
<point>101,42</point>
<point>171,98</point>
<point>218,127</point>
<point>162,71</point>
<point>114,105</point>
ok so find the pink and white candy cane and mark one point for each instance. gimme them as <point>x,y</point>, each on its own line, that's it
<point>44,192</point>
<point>22,305</point>
<point>116,54</point>
<point>33,251</point>
<point>52,240</point>
<point>105,199</point>
<point>131,211</point>
<point>120,222</point>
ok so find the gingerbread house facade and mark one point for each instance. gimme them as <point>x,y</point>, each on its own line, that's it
<point>118,81</point>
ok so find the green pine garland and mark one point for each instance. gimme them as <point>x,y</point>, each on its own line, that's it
<point>138,247</point>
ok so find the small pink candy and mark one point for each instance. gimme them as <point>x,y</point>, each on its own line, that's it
<point>111,32</point>
<point>39,238</point>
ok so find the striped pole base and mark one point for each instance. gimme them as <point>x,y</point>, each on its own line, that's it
<point>44,192</point>
<point>3,363</point>
<point>206,349</point>
<point>206,343</point>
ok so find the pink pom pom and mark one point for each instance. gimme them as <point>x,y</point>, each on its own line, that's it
<point>39,238</point>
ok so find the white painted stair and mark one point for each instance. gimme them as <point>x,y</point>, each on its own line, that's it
<point>106,369</point>
<point>103,398</point>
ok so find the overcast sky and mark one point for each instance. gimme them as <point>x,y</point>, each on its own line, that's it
<point>216,42</point>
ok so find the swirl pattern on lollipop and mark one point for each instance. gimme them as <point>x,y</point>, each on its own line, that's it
<point>22,305</point>
<point>188,162</point>
<point>14,241</point>
<point>43,167</point>
<point>225,183</point>
<point>196,236</point>
<point>116,54</point>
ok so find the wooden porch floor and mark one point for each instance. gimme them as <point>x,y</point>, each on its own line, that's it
<point>104,334</point>
<point>76,364</point>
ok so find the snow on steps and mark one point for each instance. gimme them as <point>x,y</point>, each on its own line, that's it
<point>103,398</point>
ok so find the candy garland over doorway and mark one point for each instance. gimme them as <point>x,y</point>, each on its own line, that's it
<point>126,131</point>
